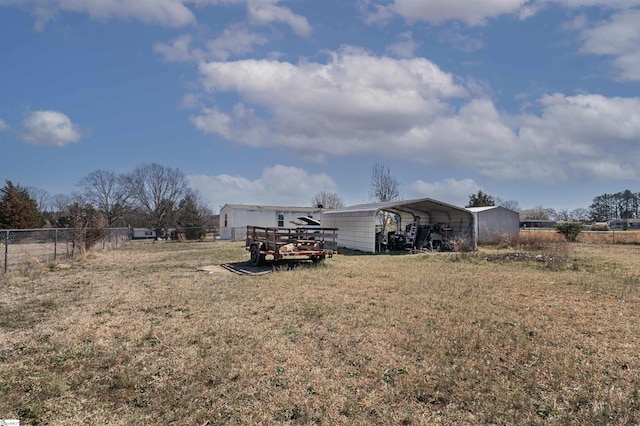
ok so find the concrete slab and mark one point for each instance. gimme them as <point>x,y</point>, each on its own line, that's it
<point>238,268</point>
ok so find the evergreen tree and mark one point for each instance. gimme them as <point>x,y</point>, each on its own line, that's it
<point>190,218</point>
<point>622,205</point>
<point>17,209</point>
<point>481,200</point>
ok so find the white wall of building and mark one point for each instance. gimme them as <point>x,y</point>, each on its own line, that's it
<point>238,217</point>
<point>357,231</point>
<point>494,223</point>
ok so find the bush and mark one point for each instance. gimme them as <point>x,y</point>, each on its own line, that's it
<point>194,233</point>
<point>570,230</point>
<point>461,244</point>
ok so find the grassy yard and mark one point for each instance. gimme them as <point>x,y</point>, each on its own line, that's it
<point>137,335</point>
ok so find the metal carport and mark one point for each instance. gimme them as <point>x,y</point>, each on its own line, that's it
<point>357,224</point>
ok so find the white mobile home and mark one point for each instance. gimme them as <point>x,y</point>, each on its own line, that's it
<point>495,223</point>
<point>142,233</point>
<point>234,218</point>
<point>358,226</point>
<point>624,224</point>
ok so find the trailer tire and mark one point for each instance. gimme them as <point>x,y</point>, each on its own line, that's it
<point>256,258</point>
<point>316,259</point>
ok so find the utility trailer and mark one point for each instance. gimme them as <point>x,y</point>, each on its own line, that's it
<point>274,244</point>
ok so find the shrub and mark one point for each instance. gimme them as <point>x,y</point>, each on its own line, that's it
<point>570,230</point>
<point>461,244</point>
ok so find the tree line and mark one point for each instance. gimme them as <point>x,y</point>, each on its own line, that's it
<point>151,196</point>
<point>159,197</point>
<point>605,207</point>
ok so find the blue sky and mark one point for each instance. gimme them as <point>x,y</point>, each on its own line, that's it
<point>273,101</point>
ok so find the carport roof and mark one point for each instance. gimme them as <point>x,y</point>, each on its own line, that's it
<point>415,207</point>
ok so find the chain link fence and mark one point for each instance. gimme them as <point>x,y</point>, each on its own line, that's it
<point>25,247</point>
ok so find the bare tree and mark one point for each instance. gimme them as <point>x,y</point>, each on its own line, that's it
<point>563,215</point>
<point>157,190</point>
<point>328,200</point>
<point>41,197</point>
<point>60,203</point>
<point>580,214</point>
<point>536,213</point>
<point>508,204</point>
<point>204,208</point>
<point>107,193</point>
<point>384,187</point>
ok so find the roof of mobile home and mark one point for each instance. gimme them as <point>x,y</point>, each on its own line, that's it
<point>272,208</point>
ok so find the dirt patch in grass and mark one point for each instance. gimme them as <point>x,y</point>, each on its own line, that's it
<point>138,335</point>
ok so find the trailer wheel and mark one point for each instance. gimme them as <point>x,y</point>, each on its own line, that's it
<point>256,257</point>
<point>316,259</point>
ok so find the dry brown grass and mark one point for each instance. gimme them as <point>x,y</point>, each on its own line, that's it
<point>138,336</point>
<point>599,237</point>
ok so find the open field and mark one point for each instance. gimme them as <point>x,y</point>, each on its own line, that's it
<point>602,237</point>
<point>137,335</point>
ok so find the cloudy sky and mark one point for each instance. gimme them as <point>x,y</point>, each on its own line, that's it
<point>273,101</point>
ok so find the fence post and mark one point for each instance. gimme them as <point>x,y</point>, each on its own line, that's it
<point>6,251</point>
<point>55,245</point>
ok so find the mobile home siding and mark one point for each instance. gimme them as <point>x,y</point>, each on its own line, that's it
<point>240,216</point>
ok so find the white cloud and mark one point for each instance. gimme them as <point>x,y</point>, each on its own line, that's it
<point>450,191</point>
<point>619,37</point>
<point>591,118</point>
<point>171,13</point>
<point>344,106</point>
<point>405,48</point>
<point>608,4</point>
<point>266,12</point>
<point>50,128</point>
<point>241,125</point>
<point>235,40</point>
<point>278,185</point>
<point>42,15</point>
<point>574,131</point>
<point>473,13</point>
<point>606,169</point>
<point>399,108</point>
<point>191,101</point>
<point>3,125</point>
<point>461,41</point>
<point>213,121</point>
<point>375,13</point>
<point>177,51</point>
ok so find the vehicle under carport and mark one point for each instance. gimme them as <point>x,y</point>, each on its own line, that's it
<point>360,226</point>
